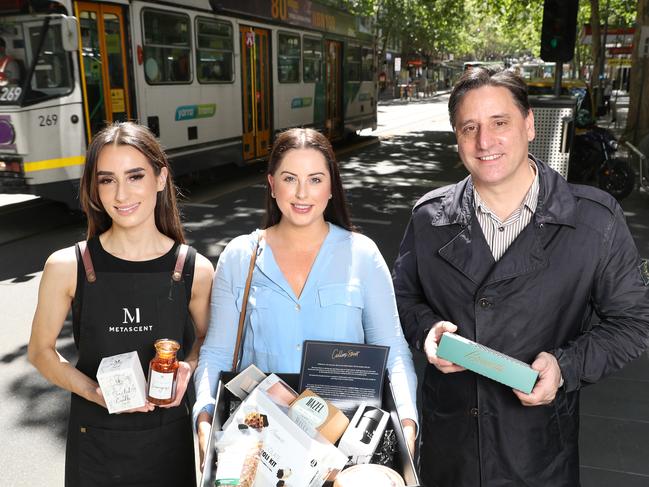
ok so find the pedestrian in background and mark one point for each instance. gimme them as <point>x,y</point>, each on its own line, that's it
<point>516,259</point>
<point>124,272</point>
<point>314,279</point>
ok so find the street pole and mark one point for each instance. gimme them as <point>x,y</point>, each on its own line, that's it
<point>600,90</point>
<point>558,74</point>
<point>643,59</point>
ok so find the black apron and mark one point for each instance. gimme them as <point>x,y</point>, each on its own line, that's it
<point>122,312</point>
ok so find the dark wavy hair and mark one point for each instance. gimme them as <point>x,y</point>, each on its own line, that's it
<point>167,216</point>
<point>478,77</point>
<point>337,211</point>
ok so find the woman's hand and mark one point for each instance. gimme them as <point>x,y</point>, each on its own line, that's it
<point>98,398</point>
<point>183,376</point>
<point>410,434</point>
<point>203,428</point>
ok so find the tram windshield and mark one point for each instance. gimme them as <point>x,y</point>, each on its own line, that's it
<point>34,66</point>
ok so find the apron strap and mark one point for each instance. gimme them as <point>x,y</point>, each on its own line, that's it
<point>87,261</point>
<point>180,262</point>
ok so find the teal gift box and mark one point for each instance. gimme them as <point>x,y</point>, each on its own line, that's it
<point>488,362</point>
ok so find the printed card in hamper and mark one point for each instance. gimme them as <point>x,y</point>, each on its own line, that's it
<point>287,453</point>
<point>485,361</point>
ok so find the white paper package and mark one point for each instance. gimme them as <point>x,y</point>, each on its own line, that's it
<point>122,382</point>
<point>287,453</point>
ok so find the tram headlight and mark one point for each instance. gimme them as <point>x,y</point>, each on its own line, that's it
<point>7,133</point>
<point>9,167</point>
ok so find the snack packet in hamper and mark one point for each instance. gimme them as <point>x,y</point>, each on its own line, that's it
<point>237,462</point>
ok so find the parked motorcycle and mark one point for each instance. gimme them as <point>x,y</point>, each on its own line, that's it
<point>593,158</point>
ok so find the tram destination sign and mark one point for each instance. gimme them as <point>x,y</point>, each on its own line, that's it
<point>299,13</point>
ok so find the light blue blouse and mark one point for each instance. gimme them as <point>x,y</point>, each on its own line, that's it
<point>347,297</point>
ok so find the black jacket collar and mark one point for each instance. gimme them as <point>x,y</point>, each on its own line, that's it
<point>454,204</point>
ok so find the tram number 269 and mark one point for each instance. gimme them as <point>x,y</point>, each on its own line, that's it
<point>47,120</point>
<point>11,93</point>
<point>279,9</point>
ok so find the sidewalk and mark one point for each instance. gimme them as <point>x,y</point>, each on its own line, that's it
<point>615,120</point>
<point>414,99</point>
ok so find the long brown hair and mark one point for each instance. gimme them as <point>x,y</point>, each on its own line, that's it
<point>336,211</point>
<point>167,216</point>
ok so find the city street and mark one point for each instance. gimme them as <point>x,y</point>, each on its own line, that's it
<point>416,153</point>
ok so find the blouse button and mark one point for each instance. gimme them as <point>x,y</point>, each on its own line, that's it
<point>297,307</point>
<point>298,346</point>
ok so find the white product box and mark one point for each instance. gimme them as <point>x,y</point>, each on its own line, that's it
<point>364,433</point>
<point>245,381</point>
<point>285,447</point>
<point>122,382</point>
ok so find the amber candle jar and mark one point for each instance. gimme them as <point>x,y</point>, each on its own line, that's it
<point>163,370</point>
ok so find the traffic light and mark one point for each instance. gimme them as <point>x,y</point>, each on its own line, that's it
<point>559,29</point>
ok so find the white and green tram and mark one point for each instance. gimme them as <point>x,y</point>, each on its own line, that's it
<point>214,80</point>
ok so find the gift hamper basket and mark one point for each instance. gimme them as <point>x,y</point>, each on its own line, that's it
<point>259,445</point>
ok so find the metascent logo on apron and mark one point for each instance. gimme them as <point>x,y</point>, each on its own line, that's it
<point>131,323</point>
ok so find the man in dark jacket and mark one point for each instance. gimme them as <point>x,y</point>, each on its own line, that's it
<point>516,259</point>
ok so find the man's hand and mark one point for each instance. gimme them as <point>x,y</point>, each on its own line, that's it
<point>430,347</point>
<point>547,384</point>
<point>203,427</point>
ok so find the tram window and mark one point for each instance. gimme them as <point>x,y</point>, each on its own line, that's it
<point>167,47</point>
<point>288,58</point>
<point>312,60</point>
<point>214,51</point>
<point>367,64</point>
<point>52,71</point>
<point>353,62</point>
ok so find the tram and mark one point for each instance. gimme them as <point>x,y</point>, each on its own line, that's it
<point>213,79</point>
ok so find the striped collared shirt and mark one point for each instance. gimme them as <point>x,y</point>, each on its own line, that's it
<point>501,234</point>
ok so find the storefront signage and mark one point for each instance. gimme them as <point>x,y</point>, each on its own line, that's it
<point>299,13</point>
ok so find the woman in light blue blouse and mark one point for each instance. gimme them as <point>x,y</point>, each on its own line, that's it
<point>314,279</point>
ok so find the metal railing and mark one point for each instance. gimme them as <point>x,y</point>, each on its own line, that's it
<point>643,171</point>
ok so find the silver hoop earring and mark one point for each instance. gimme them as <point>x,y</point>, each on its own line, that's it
<point>331,196</point>
<point>272,195</point>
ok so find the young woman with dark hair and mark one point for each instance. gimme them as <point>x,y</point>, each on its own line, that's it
<point>132,282</point>
<point>336,211</point>
<point>167,217</point>
<point>314,279</point>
